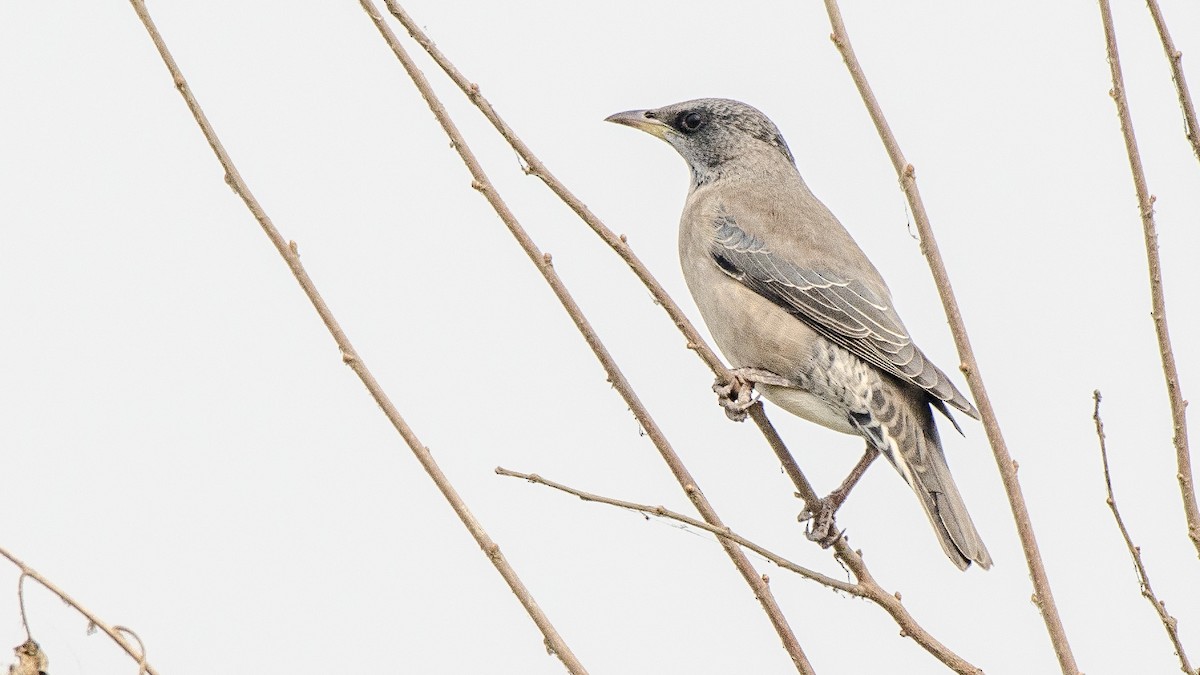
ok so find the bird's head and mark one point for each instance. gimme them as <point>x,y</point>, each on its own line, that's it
<point>716,136</point>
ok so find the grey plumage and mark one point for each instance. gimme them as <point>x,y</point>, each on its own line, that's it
<point>784,288</point>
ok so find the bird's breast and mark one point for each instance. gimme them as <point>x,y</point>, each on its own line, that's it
<point>749,329</point>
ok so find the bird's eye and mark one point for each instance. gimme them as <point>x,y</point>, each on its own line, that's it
<point>690,121</point>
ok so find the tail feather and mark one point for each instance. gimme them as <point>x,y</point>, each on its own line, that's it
<point>904,431</point>
<point>945,508</point>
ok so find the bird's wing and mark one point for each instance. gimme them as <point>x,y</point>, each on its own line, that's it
<point>843,310</point>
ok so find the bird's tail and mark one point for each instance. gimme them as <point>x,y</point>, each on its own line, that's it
<point>944,505</point>
<point>909,439</point>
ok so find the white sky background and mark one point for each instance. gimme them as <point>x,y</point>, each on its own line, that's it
<point>183,450</point>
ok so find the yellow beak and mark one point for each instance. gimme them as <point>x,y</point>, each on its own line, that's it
<point>639,120</point>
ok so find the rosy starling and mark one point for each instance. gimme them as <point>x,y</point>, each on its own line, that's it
<point>798,308</point>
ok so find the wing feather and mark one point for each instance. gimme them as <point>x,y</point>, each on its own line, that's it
<point>845,311</point>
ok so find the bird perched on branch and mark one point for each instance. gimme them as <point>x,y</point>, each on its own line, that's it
<point>799,310</point>
<point>31,660</point>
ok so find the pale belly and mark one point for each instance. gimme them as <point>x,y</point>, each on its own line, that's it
<point>808,406</point>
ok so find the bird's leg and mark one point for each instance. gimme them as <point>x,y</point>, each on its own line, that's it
<point>838,496</point>
<point>737,395</point>
<point>822,529</point>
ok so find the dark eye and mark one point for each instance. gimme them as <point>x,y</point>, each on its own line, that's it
<point>690,121</point>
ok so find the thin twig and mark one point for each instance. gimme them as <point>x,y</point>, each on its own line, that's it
<point>113,632</point>
<point>141,658</point>
<point>615,376</point>
<point>1044,597</point>
<point>695,341</point>
<point>21,603</point>
<point>1169,623</point>
<point>664,512</point>
<point>864,587</point>
<point>1158,303</point>
<point>1191,128</point>
<point>554,642</point>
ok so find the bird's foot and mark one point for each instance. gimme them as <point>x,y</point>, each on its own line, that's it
<point>821,527</point>
<point>820,516</point>
<point>737,395</point>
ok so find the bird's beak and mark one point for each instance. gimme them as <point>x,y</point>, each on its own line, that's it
<point>641,120</point>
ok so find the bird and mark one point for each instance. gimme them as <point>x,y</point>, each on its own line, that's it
<point>797,308</point>
<point>31,660</point>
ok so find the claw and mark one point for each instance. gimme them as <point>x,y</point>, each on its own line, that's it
<point>735,396</point>
<point>822,529</point>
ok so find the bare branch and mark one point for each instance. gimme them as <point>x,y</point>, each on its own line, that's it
<point>969,366</point>
<point>115,633</point>
<point>1191,129</point>
<point>615,376</point>
<point>1158,303</point>
<point>854,561</point>
<point>291,256</point>
<point>865,587</point>
<point>694,340</point>
<point>1169,623</point>
<point>664,512</point>
<point>618,243</point>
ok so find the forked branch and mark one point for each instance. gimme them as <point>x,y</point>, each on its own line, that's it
<point>864,586</point>
<point>616,242</point>
<point>543,263</point>
<point>1160,608</point>
<point>694,340</point>
<point>115,633</point>
<point>554,642</point>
